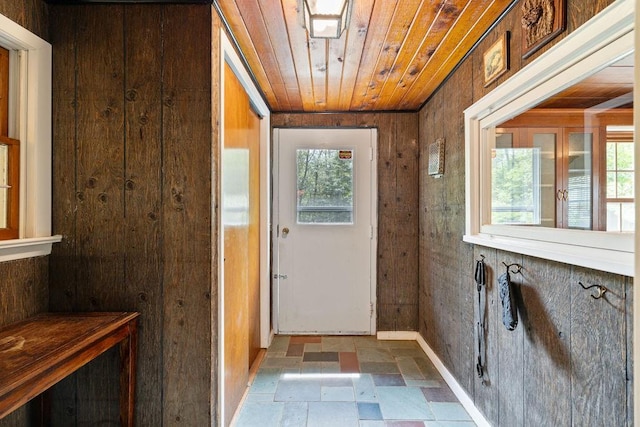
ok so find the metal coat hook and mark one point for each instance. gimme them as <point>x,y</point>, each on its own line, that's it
<point>515,264</point>
<point>601,290</point>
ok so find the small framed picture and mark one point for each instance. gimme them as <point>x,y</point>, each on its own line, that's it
<point>436,158</point>
<point>495,60</point>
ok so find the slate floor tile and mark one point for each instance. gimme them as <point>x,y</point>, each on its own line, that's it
<point>388,380</point>
<point>369,411</point>
<point>313,347</point>
<point>374,354</point>
<point>337,394</point>
<point>338,344</point>
<point>424,383</point>
<point>379,368</point>
<point>260,413</point>
<point>449,424</point>
<point>279,343</point>
<point>323,356</point>
<point>403,403</point>
<point>372,423</point>
<point>304,339</point>
<point>295,414</point>
<point>439,394</point>
<point>365,389</point>
<point>409,368</point>
<point>451,411</point>
<point>332,414</point>
<point>404,424</point>
<point>340,381</point>
<point>297,391</point>
<point>349,362</point>
<point>295,350</point>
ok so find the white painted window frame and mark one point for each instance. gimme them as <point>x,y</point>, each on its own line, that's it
<point>605,38</point>
<point>33,127</point>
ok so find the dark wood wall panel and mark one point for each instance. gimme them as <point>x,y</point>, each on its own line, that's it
<point>24,283</point>
<point>133,144</point>
<point>31,14</point>
<point>569,360</point>
<point>187,215</point>
<point>99,193</point>
<point>397,269</point>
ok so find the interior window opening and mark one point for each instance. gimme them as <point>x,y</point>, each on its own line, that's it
<point>568,162</point>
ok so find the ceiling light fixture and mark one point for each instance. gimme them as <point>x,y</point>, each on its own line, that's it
<point>326,19</point>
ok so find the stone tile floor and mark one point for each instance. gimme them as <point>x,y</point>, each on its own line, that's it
<point>348,381</point>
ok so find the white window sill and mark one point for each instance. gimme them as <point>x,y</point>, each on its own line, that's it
<point>26,248</point>
<point>613,261</point>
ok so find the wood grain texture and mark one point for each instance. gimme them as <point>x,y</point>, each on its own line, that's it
<point>241,247</point>
<point>546,319</point>
<point>598,324</point>
<point>41,350</point>
<point>510,373</point>
<point>534,371</point>
<point>133,142</point>
<point>24,285</point>
<point>486,388</point>
<point>143,195</point>
<point>100,253</point>
<point>186,216</point>
<point>392,55</point>
<point>629,347</point>
<point>397,267</point>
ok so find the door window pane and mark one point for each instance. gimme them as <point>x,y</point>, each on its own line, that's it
<point>325,186</point>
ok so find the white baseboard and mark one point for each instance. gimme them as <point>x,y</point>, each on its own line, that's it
<point>453,384</point>
<point>397,335</point>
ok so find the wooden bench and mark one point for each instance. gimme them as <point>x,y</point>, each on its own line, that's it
<point>38,352</point>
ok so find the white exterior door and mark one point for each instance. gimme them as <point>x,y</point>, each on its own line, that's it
<point>325,231</point>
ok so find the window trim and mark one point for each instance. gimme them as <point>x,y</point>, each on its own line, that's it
<point>34,132</point>
<point>11,231</point>
<point>607,36</point>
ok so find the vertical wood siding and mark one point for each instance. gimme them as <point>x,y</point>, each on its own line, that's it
<point>134,144</point>
<point>569,359</point>
<point>397,269</point>
<point>24,283</point>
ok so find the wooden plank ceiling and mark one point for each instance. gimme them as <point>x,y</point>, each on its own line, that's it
<point>392,56</point>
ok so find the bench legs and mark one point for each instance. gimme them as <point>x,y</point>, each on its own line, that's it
<point>128,348</point>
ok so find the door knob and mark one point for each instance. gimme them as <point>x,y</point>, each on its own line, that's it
<point>285,231</point>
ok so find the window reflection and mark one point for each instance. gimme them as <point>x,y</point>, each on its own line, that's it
<point>568,162</point>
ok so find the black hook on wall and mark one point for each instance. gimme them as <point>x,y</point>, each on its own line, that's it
<point>601,290</point>
<point>516,265</point>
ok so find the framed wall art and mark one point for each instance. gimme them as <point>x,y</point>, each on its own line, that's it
<point>495,60</point>
<point>436,158</point>
<point>541,20</point>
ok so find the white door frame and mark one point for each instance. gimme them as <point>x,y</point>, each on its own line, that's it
<point>229,56</point>
<point>374,222</point>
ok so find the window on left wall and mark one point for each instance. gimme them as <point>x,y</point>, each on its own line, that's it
<point>25,143</point>
<point>9,158</point>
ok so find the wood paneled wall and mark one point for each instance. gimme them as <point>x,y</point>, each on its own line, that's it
<point>569,360</point>
<point>397,270</point>
<point>24,283</point>
<point>134,146</point>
